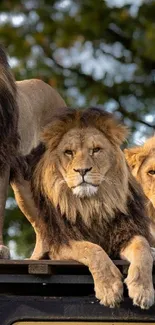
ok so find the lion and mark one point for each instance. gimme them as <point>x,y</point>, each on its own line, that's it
<point>90,206</point>
<point>25,108</point>
<point>141,160</point>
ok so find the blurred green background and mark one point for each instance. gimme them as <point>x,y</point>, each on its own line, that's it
<point>95,53</point>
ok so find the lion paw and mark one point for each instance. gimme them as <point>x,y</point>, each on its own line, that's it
<point>4,252</point>
<point>110,291</point>
<point>140,290</point>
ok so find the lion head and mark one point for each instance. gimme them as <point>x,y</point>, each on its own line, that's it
<point>83,163</point>
<point>141,160</point>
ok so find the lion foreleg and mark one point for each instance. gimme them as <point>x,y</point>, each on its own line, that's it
<point>107,278</point>
<point>27,205</point>
<point>4,182</point>
<point>139,280</point>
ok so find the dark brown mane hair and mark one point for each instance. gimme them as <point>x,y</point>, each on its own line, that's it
<point>9,138</point>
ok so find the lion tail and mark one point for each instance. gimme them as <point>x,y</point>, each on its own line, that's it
<point>9,139</point>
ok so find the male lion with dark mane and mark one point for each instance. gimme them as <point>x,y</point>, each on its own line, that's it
<point>141,160</point>
<point>90,206</point>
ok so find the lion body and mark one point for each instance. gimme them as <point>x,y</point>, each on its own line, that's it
<point>109,200</point>
<point>37,102</point>
<point>25,108</point>
<point>141,160</point>
<point>90,207</point>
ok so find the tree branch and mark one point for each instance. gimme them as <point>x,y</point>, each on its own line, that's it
<point>110,91</point>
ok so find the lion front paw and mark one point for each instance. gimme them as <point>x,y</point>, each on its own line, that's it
<point>140,289</point>
<point>4,252</point>
<point>110,290</point>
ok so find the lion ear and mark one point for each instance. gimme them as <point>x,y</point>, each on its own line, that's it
<point>134,156</point>
<point>52,134</point>
<point>119,133</point>
<point>115,131</point>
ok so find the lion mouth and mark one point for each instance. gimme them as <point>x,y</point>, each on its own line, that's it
<point>84,184</point>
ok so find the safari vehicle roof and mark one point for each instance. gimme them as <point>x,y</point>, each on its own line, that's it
<point>59,293</point>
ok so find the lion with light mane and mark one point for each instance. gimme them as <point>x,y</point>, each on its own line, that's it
<point>141,160</point>
<point>91,208</point>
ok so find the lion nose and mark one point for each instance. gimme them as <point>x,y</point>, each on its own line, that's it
<point>83,171</point>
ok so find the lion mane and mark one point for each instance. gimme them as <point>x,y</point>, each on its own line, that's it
<point>9,139</point>
<point>109,217</point>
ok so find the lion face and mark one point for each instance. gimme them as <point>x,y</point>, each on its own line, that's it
<point>83,170</point>
<point>146,177</point>
<point>86,156</point>
<point>142,163</point>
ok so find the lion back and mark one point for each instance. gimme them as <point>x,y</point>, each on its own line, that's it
<point>9,139</point>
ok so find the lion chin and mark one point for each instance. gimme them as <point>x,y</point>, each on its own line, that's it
<point>85,190</point>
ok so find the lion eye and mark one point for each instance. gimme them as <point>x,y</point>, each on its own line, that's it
<point>97,149</point>
<point>69,152</point>
<point>151,172</point>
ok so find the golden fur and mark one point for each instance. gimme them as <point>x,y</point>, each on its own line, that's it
<point>141,160</point>
<point>90,207</point>
<point>37,103</point>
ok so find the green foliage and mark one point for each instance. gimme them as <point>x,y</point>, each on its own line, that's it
<point>94,53</point>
